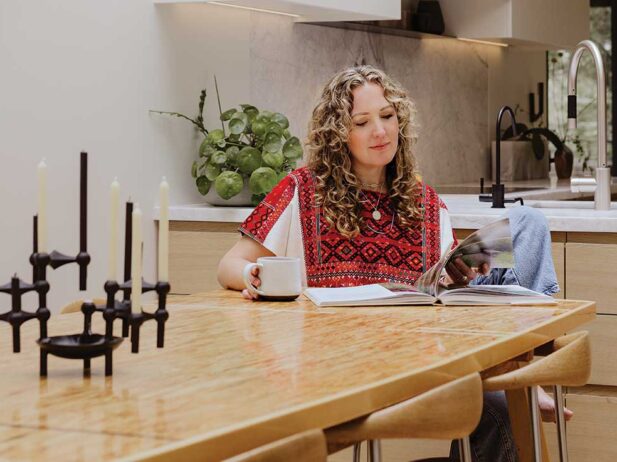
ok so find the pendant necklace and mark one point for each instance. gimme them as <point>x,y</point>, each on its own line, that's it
<point>376,213</point>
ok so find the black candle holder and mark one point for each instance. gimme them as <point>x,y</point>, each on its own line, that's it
<point>86,345</point>
<point>121,309</point>
<point>80,346</point>
<point>17,288</point>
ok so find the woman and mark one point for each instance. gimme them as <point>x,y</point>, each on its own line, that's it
<point>358,214</point>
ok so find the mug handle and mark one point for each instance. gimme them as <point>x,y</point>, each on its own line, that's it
<point>246,275</point>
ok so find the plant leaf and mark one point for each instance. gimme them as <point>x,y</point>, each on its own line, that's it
<point>273,142</point>
<point>249,159</point>
<point>292,148</point>
<point>228,114</point>
<point>238,122</point>
<point>212,171</point>
<point>250,111</point>
<point>273,127</point>
<point>280,119</point>
<point>219,158</point>
<point>215,136</point>
<point>203,185</point>
<point>259,127</point>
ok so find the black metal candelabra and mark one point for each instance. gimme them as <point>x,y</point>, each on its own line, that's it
<point>86,345</point>
<point>121,309</point>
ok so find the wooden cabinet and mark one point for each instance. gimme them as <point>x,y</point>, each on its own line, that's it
<point>603,332</point>
<point>195,251</point>
<point>559,261</point>
<point>592,270</point>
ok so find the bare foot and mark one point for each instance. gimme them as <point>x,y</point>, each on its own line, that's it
<point>547,407</point>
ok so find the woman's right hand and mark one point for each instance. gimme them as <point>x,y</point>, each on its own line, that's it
<point>256,282</point>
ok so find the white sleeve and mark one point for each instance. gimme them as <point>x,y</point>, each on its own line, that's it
<point>445,231</point>
<point>285,237</point>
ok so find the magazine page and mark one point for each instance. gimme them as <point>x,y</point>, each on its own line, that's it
<point>494,295</point>
<point>490,244</point>
<point>367,295</point>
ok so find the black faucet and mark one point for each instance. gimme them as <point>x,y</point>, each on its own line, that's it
<point>497,190</point>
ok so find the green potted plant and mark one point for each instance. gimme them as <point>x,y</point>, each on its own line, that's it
<point>239,163</point>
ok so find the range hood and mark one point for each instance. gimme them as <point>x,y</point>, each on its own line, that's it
<point>316,10</point>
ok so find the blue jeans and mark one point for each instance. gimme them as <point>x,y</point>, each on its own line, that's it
<point>492,439</point>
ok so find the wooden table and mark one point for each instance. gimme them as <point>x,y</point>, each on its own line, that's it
<point>236,374</point>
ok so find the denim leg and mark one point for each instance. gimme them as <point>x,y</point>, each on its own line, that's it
<point>492,439</point>
<point>533,260</point>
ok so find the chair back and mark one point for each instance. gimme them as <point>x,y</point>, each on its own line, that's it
<point>569,364</point>
<point>450,411</point>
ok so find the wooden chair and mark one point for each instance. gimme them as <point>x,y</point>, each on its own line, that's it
<point>569,363</point>
<point>450,411</point>
<point>309,446</point>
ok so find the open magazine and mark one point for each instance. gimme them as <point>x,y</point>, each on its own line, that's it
<point>491,244</point>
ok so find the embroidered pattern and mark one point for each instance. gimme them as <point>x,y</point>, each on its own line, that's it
<point>381,253</point>
<point>261,220</point>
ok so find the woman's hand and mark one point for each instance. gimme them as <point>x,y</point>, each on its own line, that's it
<point>460,274</point>
<point>256,282</point>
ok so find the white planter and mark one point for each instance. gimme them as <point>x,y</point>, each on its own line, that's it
<point>240,200</point>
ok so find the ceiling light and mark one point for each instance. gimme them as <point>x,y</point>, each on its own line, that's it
<point>261,10</point>
<point>482,42</point>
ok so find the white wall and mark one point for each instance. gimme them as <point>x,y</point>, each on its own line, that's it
<point>81,75</point>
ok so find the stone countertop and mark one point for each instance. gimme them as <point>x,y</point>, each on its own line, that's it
<point>466,211</point>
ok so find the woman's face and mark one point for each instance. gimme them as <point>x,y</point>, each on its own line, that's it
<point>373,139</point>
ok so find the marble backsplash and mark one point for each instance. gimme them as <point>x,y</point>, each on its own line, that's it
<point>448,80</point>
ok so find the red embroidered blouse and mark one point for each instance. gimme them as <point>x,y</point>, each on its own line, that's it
<point>288,222</point>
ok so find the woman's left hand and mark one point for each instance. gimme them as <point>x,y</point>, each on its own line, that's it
<point>461,274</point>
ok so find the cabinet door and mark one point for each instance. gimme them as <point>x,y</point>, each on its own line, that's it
<point>195,249</point>
<point>591,271</point>
<point>591,432</point>
<point>603,347</point>
<point>558,249</point>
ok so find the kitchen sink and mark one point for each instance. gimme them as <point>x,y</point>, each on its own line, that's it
<point>568,204</point>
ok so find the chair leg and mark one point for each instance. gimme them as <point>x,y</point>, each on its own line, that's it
<point>374,450</point>
<point>356,452</point>
<point>535,423</point>
<point>561,424</point>
<point>464,449</point>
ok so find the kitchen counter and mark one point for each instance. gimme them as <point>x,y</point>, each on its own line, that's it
<point>565,210</point>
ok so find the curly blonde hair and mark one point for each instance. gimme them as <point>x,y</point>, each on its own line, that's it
<point>337,189</point>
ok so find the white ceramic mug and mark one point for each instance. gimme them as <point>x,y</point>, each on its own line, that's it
<point>281,278</point>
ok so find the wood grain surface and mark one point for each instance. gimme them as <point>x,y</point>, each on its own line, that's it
<point>236,374</point>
